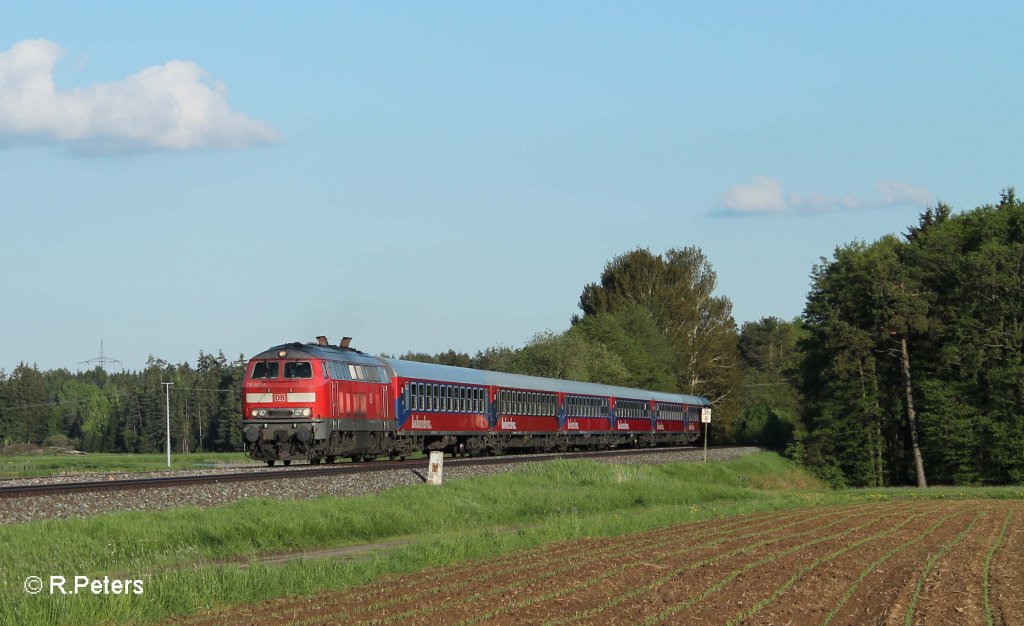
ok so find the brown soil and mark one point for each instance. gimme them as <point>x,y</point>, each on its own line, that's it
<point>851,565</point>
<point>1006,580</point>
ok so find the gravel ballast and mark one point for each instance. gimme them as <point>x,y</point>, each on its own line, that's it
<point>76,505</point>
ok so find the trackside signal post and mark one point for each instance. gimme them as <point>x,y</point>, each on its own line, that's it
<point>705,418</point>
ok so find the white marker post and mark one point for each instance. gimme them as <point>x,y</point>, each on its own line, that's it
<point>705,418</point>
<point>436,468</point>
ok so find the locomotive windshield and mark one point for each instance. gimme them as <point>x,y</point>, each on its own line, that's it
<point>298,369</point>
<point>265,369</point>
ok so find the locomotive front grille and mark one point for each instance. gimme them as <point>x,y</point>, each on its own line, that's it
<point>280,413</point>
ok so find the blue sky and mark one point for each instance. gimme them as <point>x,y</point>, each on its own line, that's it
<point>425,176</point>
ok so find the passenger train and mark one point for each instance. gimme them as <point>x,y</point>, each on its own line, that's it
<point>320,402</point>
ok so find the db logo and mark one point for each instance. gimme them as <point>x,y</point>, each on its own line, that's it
<point>280,397</point>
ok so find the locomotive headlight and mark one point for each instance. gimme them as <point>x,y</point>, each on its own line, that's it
<point>306,412</point>
<point>254,412</point>
<point>263,412</point>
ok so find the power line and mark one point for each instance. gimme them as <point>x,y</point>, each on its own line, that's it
<point>102,360</point>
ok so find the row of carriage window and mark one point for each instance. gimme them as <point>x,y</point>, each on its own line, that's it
<point>460,399</point>
<point>457,399</point>
<point>527,403</point>
<point>584,406</point>
<point>449,398</point>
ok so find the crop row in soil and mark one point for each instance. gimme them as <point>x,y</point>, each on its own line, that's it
<point>934,561</point>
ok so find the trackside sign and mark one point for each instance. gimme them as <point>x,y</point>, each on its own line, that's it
<point>705,415</point>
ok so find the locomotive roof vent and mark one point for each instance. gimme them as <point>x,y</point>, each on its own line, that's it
<point>345,342</point>
<point>321,340</point>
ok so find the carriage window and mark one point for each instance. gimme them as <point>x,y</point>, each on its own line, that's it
<point>298,369</point>
<point>265,369</point>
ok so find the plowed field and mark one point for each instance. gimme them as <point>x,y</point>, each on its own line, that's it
<point>932,562</point>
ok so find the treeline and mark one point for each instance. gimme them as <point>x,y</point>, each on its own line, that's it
<point>125,412</point>
<point>907,365</point>
<point>920,337</point>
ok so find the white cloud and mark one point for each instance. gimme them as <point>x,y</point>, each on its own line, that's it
<point>764,196</point>
<point>173,106</point>
<point>894,192</point>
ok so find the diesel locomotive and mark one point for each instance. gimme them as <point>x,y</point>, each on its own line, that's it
<point>320,402</point>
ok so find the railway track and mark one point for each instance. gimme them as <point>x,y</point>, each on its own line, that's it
<point>21,491</point>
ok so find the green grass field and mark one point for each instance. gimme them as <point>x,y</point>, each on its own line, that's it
<point>179,554</point>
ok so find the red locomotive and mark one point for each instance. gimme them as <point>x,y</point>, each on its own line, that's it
<point>315,401</point>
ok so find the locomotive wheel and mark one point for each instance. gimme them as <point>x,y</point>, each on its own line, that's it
<point>315,461</point>
<point>330,459</point>
<point>287,461</point>
<point>270,462</point>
